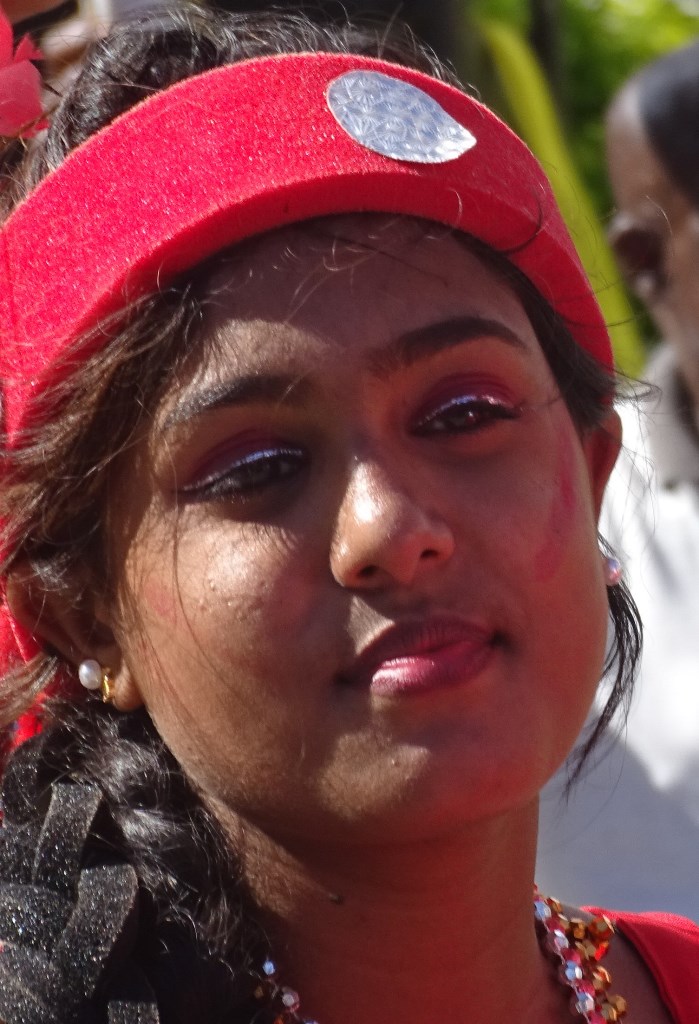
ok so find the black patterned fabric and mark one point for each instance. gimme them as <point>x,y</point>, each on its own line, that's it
<point>68,910</point>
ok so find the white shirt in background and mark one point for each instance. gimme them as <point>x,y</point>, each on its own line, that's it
<point>628,835</point>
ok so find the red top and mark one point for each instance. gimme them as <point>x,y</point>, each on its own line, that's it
<point>669,945</point>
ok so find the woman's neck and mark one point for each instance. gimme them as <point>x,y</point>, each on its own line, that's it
<point>439,930</point>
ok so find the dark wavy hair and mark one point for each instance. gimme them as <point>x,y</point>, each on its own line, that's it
<point>57,484</point>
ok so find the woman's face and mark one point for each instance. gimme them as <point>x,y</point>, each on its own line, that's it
<point>362,594</point>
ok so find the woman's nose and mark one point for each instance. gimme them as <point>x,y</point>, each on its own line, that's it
<point>386,532</point>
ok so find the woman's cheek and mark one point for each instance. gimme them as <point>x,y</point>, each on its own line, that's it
<point>226,599</point>
<point>563,512</point>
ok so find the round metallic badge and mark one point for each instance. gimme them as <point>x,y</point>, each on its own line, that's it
<point>396,119</point>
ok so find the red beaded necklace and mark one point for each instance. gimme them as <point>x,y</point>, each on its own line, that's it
<point>575,947</point>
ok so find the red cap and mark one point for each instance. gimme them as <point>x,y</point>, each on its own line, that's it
<point>249,147</point>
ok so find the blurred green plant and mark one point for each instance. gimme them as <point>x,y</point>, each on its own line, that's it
<point>604,42</point>
<point>534,115</point>
<point>600,43</point>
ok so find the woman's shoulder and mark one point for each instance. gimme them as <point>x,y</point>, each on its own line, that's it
<point>667,946</point>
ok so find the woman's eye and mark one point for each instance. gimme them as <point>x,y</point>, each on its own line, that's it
<point>248,476</point>
<point>465,414</point>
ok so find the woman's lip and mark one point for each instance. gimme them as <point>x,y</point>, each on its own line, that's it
<point>414,657</point>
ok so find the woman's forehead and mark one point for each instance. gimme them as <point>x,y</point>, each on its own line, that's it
<point>377,292</point>
<point>338,241</point>
<point>400,267</point>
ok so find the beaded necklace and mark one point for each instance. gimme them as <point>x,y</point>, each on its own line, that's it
<point>574,946</point>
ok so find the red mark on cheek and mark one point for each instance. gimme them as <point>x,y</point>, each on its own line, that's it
<point>161,603</point>
<point>561,516</point>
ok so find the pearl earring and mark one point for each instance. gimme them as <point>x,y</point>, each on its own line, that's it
<point>612,570</point>
<point>94,677</point>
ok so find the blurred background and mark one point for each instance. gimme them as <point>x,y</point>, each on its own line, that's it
<point>549,67</point>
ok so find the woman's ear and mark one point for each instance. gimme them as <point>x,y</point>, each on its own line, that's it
<point>601,446</point>
<point>71,629</point>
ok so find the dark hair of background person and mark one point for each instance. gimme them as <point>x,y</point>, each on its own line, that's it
<point>57,488</point>
<point>668,99</point>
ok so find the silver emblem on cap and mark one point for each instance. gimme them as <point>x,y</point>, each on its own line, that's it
<point>396,119</point>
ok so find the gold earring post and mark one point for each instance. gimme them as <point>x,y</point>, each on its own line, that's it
<point>107,686</point>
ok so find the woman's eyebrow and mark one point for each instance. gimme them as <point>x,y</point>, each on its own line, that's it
<point>291,389</point>
<point>426,341</point>
<point>282,388</point>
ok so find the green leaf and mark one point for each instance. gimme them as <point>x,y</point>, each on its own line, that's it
<point>526,91</point>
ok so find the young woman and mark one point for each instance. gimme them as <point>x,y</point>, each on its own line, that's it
<point>307,414</point>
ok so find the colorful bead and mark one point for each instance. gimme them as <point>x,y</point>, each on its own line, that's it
<point>600,978</point>
<point>588,949</point>
<point>583,1003</point>
<point>570,972</point>
<point>577,946</point>
<point>600,929</point>
<point>557,941</point>
<point>619,1004</point>
<point>290,1000</point>
<point>542,911</point>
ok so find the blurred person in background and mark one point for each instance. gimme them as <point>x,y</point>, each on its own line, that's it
<point>629,829</point>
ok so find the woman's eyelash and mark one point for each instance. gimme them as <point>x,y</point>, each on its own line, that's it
<point>244,478</point>
<point>465,414</point>
<point>247,476</point>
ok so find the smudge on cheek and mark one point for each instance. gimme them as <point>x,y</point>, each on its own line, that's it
<point>162,603</point>
<point>562,513</point>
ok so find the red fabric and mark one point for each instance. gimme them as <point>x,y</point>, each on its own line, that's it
<point>669,945</point>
